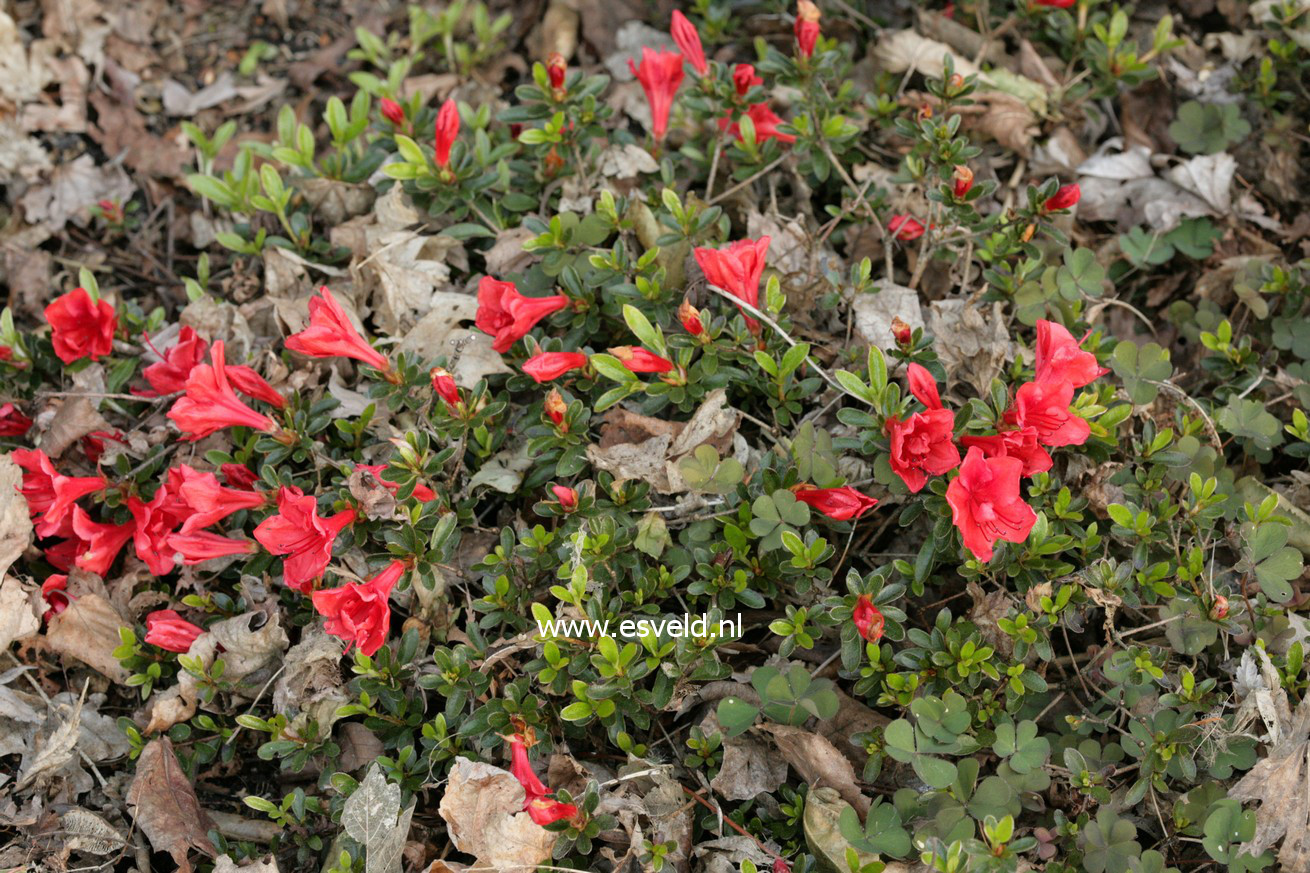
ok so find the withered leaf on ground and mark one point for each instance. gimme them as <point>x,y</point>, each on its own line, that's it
<point>88,631</point>
<point>373,818</point>
<point>818,762</point>
<point>164,805</point>
<point>483,809</point>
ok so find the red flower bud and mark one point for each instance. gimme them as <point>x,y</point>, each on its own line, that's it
<point>445,132</point>
<point>690,317</point>
<point>545,366</point>
<point>393,112</point>
<point>744,78</point>
<point>640,360</point>
<point>688,41</point>
<point>567,497</point>
<point>1218,611</point>
<point>557,68</point>
<point>868,619</point>
<point>905,228</point>
<point>1065,198</point>
<point>963,177</point>
<point>901,331</point>
<point>168,630</point>
<point>555,408</point>
<point>807,27</point>
<point>444,384</point>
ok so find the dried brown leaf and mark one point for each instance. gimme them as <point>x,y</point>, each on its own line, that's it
<point>818,762</point>
<point>88,631</point>
<point>164,805</point>
<point>483,809</point>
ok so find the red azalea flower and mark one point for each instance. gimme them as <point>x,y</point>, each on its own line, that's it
<point>737,269</point>
<point>555,408</point>
<point>54,594</point>
<point>547,366</point>
<point>100,543</point>
<point>1060,357</point>
<point>63,553</point>
<point>445,132</point>
<point>542,810</point>
<point>393,112</point>
<point>766,123</point>
<point>155,522</point>
<point>93,444</point>
<point>962,180</point>
<point>82,327</point>
<point>905,228</point>
<point>239,476</point>
<point>251,384</point>
<point>557,69</point>
<point>298,532</point>
<point>1056,4</point>
<point>688,40</point>
<point>50,494</point>
<point>923,444</point>
<point>986,505</point>
<point>210,404</point>
<point>209,502</point>
<point>196,548</point>
<point>839,504</point>
<point>639,360</point>
<point>868,619</point>
<point>1066,198</point>
<point>12,421</point>
<point>567,497</point>
<point>660,75</point>
<point>690,317</point>
<point>1044,406</point>
<point>744,78</point>
<point>507,315</point>
<point>807,27</point>
<point>331,335</point>
<point>421,492</point>
<point>360,614</point>
<point>444,384</point>
<point>169,375</point>
<point>1021,444</point>
<point>780,865</point>
<point>170,631</point>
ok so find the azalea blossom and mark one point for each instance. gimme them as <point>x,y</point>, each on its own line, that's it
<point>331,335</point>
<point>547,366</point>
<point>868,619</point>
<point>54,593</point>
<point>298,532</point>
<point>1060,357</point>
<point>507,315</point>
<point>360,613</point>
<point>1055,4</point>
<point>737,269</point>
<point>905,228</point>
<point>48,493</point>
<point>169,375</point>
<point>445,132</point>
<point>1044,406</point>
<point>567,497</point>
<point>12,421</point>
<point>660,74</point>
<point>1021,443</point>
<point>251,384</point>
<point>99,543</point>
<point>1066,198</point>
<point>766,123</point>
<point>444,384</point>
<point>155,522</point>
<point>208,501</point>
<point>922,445</point>
<point>639,360</point>
<point>81,327</point>
<point>688,41</point>
<point>986,505</point>
<point>196,548</point>
<point>210,404</point>
<point>539,807</point>
<point>170,631</point>
<point>839,504</point>
<point>744,78</point>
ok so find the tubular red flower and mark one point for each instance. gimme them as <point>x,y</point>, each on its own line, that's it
<point>985,503</point>
<point>1044,406</point>
<point>330,334</point>
<point>393,112</point>
<point>299,533</point>
<point>744,78</point>
<point>81,327</point>
<point>905,228</point>
<point>360,614</point>
<point>690,317</point>
<point>567,497</point>
<point>12,421</point>
<point>1055,4</point>
<point>170,631</point>
<point>868,619</point>
<point>962,180</point>
<point>196,548</point>
<point>766,123</point>
<point>444,384</point>
<point>1021,444</point>
<point>546,366</point>
<point>54,594</point>
<point>210,404</point>
<point>660,75</point>
<point>688,41</point>
<point>445,132</point>
<point>737,269</point>
<point>168,376</point>
<point>806,27</point>
<point>100,543</point>
<point>839,504</point>
<point>155,522</point>
<point>507,315</point>
<point>542,810</point>
<point>1061,359</point>
<point>238,476</point>
<point>50,494</point>
<point>1066,198</point>
<point>639,360</point>
<point>421,492</point>
<point>251,384</point>
<point>208,501</point>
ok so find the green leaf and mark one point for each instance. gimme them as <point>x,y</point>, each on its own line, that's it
<point>1208,128</point>
<point>936,772</point>
<point>736,715</point>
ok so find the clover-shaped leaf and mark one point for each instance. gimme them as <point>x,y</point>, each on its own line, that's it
<point>1250,420</point>
<point>1081,275</point>
<point>775,513</point>
<point>1273,561</point>
<point>883,832</point>
<point>702,470</point>
<point>1108,843</point>
<point>1139,367</point>
<point>815,459</point>
<point>1021,745</point>
<point>1208,128</point>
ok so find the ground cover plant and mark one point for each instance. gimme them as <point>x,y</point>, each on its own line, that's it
<point>730,437</point>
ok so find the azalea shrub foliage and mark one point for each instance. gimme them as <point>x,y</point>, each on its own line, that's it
<point>1037,590</point>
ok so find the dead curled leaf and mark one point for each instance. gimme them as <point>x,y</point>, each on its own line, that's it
<point>818,762</point>
<point>749,768</point>
<point>1281,784</point>
<point>483,809</point>
<point>88,631</point>
<point>164,805</point>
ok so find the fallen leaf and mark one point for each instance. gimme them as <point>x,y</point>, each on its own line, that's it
<point>504,470</point>
<point>18,620</point>
<point>373,818</point>
<point>749,768</point>
<point>121,131</point>
<point>22,75</point>
<point>73,187</point>
<point>874,313</point>
<point>823,810</point>
<point>818,762</point>
<point>973,342</point>
<point>163,804</point>
<point>88,631</point>
<point>483,810</point>
<point>251,642</point>
<point>178,101</point>
<point>51,752</point>
<point>84,831</point>
<point>225,864</point>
